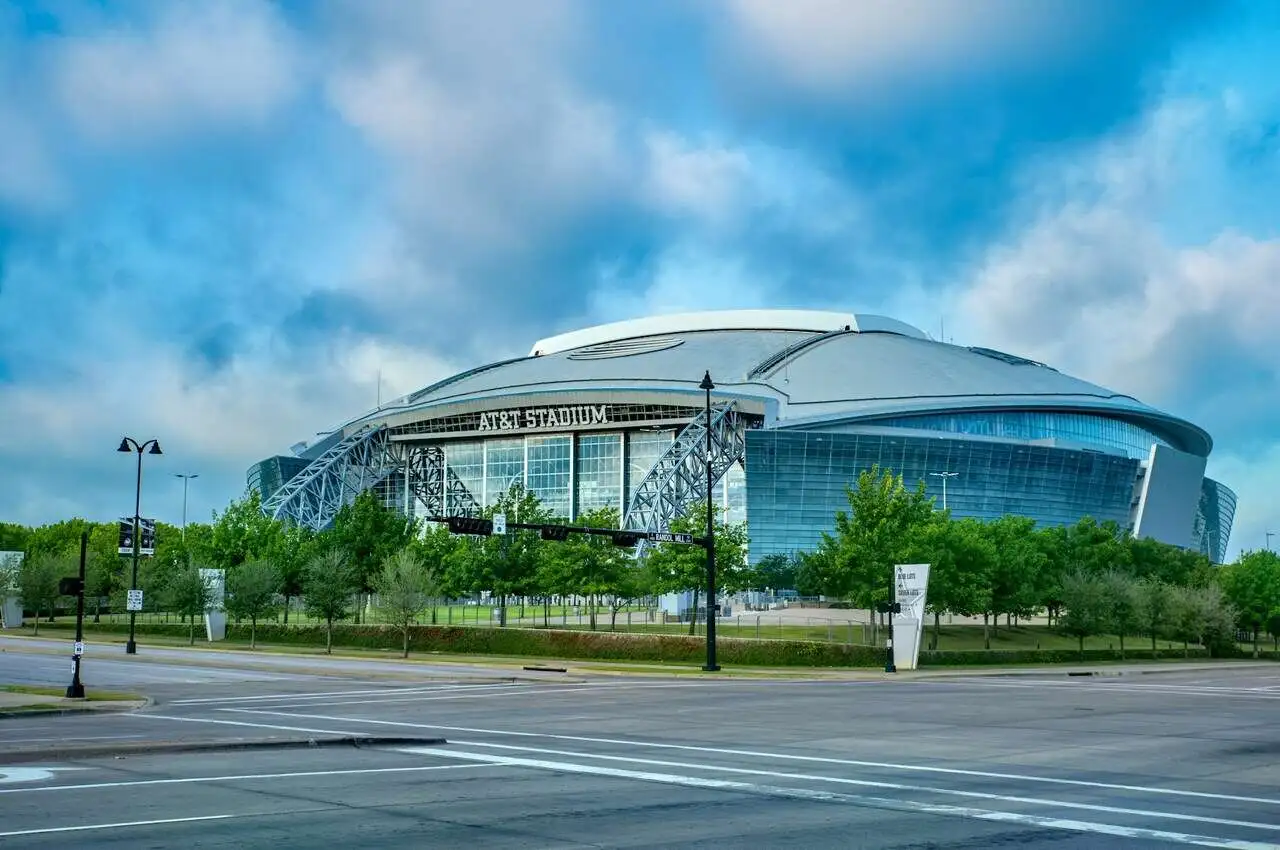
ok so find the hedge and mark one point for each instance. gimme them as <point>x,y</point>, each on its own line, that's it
<point>617,646</point>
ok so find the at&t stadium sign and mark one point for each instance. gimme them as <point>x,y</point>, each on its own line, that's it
<point>544,418</point>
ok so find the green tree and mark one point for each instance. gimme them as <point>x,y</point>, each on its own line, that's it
<point>1126,599</point>
<point>370,533</point>
<point>38,582</point>
<point>961,558</point>
<point>1016,586</point>
<point>1156,609</point>
<point>190,595</point>
<point>679,567</point>
<point>329,583</point>
<point>777,571</point>
<point>882,527</point>
<point>13,537</point>
<point>1201,615</point>
<point>438,548</point>
<point>405,587</point>
<point>587,565</point>
<point>504,564</point>
<point>251,592</point>
<point>1252,586</point>
<point>240,533</point>
<point>291,550</point>
<point>1086,606</point>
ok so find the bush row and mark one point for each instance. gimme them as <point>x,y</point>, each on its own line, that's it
<point>612,646</point>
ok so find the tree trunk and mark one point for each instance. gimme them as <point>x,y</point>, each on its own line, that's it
<point>97,609</point>
<point>37,631</point>
<point>1186,649</point>
<point>328,637</point>
<point>1255,643</point>
<point>613,622</point>
<point>286,609</point>
<point>1081,639</point>
<point>546,612</point>
<point>1153,638</point>
<point>986,631</point>
<point>502,611</point>
<point>591,610</point>
<point>191,635</point>
<point>1122,644</point>
<point>406,642</point>
<point>693,617</point>
<point>937,627</point>
<point>253,632</point>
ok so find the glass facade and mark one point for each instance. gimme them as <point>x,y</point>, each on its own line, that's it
<point>1082,428</point>
<point>598,472</point>
<point>551,472</point>
<point>467,462</point>
<point>1214,518</point>
<point>270,475</point>
<point>643,450</point>
<point>797,481</point>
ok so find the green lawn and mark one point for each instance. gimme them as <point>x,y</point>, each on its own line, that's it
<point>93,695</point>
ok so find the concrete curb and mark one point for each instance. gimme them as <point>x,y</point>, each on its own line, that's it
<point>144,748</point>
<point>104,707</point>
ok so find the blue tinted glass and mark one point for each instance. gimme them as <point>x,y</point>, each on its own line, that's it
<point>1082,428</point>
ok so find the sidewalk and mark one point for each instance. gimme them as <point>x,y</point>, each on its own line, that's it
<point>34,705</point>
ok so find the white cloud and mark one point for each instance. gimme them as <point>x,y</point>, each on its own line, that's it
<point>29,178</point>
<point>200,64</point>
<point>489,140</point>
<point>701,181</point>
<point>838,46</point>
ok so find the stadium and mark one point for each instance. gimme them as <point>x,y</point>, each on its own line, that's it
<point>803,401</point>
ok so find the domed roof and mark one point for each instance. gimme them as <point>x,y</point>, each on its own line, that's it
<point>810,366</point>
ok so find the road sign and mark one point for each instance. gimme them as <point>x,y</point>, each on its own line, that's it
<point>133,602</point>
<point>670,537</point>
<point>79,648</point>
<point>499,523</point>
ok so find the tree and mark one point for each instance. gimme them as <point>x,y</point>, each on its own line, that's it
<point>38,582</point>
<point>679,567</point>
<point>776,571</point>
<point>1156,606</point>
<point>189,594</point>
<point>1125,602</point>
<point>329,583</point>
<point>961,558</point>
<point>370,533</point>
<point>1086,608</point>
<point>404,586</point>
<point>1252,586</point>
<point>292,550</point>
<point>882,526</point>
<point>1201,614</point>
<point>251,593</point>
<point>13,537</point>
<point>240,533</point>
<point>504,564</point>
<point>589,565</point>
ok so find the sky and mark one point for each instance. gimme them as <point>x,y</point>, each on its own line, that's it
<point>232,224</point>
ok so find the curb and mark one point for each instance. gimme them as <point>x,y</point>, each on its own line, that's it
<point>142,748</point>
<point>88,708</point>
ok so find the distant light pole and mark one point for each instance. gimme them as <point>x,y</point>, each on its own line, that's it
<point>1270,534</point>
<point>944,476</point>
<point>711,665</point>
<point>185,480</point>
<point>128,444</point>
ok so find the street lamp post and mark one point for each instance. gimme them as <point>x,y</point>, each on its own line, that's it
<point>711,665</point>
<point>128,444</point>
<point>186,479</point>
<point>1270,534</point>
<point>944,476</point>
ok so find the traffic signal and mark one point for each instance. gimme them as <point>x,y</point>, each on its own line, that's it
<point>625,539</point>
<point>554,532</point>
<point>470,525</point>
<point>889,607</point>
<point>70,586</point>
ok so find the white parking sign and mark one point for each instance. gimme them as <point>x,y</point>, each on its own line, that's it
<point>499,523</point>
<point>133,602</point>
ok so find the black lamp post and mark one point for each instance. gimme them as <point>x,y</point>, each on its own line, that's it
<point>711,665</point>
<point>128,444</point>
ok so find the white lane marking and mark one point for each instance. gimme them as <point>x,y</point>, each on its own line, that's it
<point>10,775</point>
<point>81,738</point>
<point>526,691</point>
<point>323,695</point>
<point>875,802</point>
<point>94,826</point>
<point>245,777</point>
<point>246,723</point>
<point>953,771</point>
<point>869,783</point>
<point>1102,687</point>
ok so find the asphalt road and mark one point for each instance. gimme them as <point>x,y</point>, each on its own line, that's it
<point>1175,759</point>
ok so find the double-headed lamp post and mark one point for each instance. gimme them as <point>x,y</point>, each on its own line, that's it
<point>186,479</point>
<point>711,665</point>
<point>944,476</point>
<point>128,444</point>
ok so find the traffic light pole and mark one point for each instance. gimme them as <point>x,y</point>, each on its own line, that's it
<point>131,647</point>
<point>76,689</point>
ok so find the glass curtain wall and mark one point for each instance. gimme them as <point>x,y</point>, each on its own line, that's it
<point>1037,425</point>
<point>467,462</point>
<point>551,472</point>
<point>599,472</point>
<point>503,467</point>
<point>643,450</point>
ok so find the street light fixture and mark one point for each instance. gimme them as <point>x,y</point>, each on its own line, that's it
<point>128,444</point>
<point>711,665</point>
<point>944,476</point>
<point>1270,534</point>
<point>186,478</point>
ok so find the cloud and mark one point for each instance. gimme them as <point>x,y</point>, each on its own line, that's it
<point>198,65</point>
<point>836,46</point>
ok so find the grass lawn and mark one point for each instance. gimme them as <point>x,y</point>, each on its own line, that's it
<point>93,695</point>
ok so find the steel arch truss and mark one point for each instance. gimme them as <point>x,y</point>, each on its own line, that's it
<point>436,487</point>
<point>678,479</point>
<point>313,497</point>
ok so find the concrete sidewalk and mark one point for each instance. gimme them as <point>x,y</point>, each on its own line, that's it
<point>29,705</point>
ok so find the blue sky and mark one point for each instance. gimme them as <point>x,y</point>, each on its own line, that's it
<point>221,219</point>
